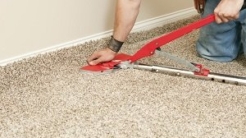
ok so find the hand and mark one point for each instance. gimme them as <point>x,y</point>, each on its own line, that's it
<point>100,56</point>
<point>228,10</point>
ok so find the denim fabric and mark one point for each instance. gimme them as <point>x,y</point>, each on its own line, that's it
<point>222,42</point>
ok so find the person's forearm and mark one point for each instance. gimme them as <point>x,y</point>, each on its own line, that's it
<point>125,17</point>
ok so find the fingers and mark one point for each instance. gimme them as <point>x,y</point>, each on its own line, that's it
<point>100,56</point>
<point>94,59</point>
<point>221,17</point>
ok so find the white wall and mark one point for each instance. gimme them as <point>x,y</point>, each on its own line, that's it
<point>32,25</point>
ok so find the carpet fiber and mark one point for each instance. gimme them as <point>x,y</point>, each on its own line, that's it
<point>49,97</point>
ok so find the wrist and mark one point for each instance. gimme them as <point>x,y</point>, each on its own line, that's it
<point>111,51</point>
<point>115,45</point>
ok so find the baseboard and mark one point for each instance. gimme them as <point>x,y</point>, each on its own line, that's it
<point>142,25</point>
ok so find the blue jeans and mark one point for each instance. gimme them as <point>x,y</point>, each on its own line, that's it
<point>222,42</point>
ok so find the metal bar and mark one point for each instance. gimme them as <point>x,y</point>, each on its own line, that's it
<point>184,62</point>
<point>179,72</point>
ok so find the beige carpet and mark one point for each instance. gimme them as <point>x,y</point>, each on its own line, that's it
<point>48,97</point>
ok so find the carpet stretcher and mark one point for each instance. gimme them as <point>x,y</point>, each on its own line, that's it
<point>124,61</point>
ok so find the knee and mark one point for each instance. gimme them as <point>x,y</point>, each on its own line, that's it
<point>215,53</point>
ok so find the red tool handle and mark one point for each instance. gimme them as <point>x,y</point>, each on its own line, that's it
<point>149,48</point>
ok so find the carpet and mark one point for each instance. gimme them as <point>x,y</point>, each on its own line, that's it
<point>47,96</point>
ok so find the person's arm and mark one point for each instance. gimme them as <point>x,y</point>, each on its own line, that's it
<point>125,17</point>
<point>228,10</point>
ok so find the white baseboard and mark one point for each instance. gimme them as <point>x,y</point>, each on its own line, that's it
<point>142,25</point>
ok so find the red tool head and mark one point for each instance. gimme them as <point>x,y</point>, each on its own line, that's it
<point>107,65</point>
